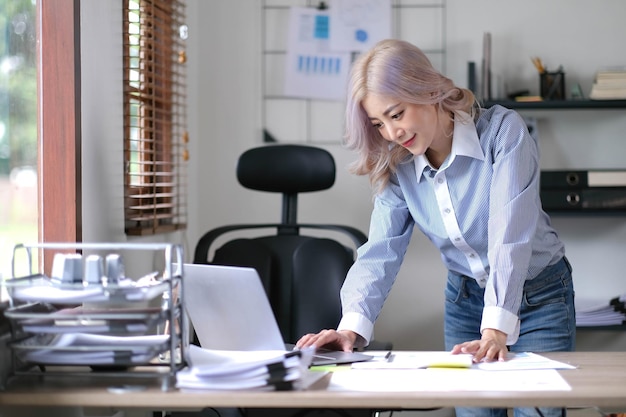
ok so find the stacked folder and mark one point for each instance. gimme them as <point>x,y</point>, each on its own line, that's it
<point>601,312</point>
<point>583,190</point>
<point>609,84</point>
<point>239,370</point>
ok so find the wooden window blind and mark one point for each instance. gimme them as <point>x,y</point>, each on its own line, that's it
<point>155,131</point>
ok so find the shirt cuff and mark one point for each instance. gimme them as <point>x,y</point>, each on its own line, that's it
<point>360,325</point>
<point>503,320</point>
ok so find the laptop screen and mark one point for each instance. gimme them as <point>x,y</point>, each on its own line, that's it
<point>229,309</point>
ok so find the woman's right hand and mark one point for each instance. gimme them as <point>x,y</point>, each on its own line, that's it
<point>329,339</point>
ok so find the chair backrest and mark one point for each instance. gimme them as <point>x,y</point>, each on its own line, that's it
<point>301,274</point>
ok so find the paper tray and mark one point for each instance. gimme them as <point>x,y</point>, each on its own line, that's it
<point>46,318</point>
<point>39,288</point>
<point>88,349</point>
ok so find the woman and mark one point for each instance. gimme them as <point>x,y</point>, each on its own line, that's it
<point>468,178</point>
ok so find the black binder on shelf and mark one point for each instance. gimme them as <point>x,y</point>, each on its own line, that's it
<point>580,179</point>
<point>598,198</point>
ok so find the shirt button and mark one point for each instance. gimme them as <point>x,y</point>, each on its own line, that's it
<point>447,211</point>
<point>471,255</point>
<point>440,180</point>
<point>456,239</point>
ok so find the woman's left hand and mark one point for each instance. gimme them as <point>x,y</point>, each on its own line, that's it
<point>491,346</point>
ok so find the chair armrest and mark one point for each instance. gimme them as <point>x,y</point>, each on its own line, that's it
<point>204,243</point>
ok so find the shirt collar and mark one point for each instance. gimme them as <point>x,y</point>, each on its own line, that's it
<point>464,142</point>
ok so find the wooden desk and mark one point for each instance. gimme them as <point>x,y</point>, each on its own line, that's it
<point>600,380</point>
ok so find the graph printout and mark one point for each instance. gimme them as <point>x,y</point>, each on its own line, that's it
<point>313,69</point>
<point>356,25</point>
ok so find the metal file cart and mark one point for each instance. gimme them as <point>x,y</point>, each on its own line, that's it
<point>128,328</point>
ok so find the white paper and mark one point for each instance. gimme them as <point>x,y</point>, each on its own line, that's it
<point>235,370</point>
<point>442,359</point>
<point>445,380</point>
<point>89,349</point>
<point>47,291</point>
<point>209,362</point>
<point>356,25</point>
<point>594,312</point>
<point>313,70</point>
<point>85,327</point>
<point>187,379</point>
<point>523,361</point>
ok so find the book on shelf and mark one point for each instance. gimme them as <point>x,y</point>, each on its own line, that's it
<point>609,84</point>
<point>616,72</point>
<point>607,93</point>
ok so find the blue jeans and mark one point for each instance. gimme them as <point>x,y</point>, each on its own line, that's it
<point>547,322</point>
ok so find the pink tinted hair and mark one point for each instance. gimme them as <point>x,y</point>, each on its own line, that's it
<point>398,70</point>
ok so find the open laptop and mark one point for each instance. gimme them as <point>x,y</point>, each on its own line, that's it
<point>229,310</point>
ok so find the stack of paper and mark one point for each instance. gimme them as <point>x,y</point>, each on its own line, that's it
<point>48,318</point>
<point>237,370</point>
<point>436,360</point>
<point>91,349</point>
<point>407,371</point>
<point>593,312</point>
<point>609,84</point>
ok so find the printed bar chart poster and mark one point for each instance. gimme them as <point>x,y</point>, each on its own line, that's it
<point>313,69</point>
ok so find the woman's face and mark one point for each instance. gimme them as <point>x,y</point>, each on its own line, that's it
<point>416,127</point>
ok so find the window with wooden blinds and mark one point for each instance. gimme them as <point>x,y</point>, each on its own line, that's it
<point>155,131</point>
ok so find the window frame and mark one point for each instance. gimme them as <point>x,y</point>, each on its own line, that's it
<point>59,124</point>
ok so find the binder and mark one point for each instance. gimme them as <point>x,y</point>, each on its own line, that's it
<point>583,178</point>
<point>557,199</point>
<point>609,198</point>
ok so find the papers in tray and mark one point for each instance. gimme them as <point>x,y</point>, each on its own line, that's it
<point>90,349</point>
<point>42,289</point>
<point>46,318</point>
<point>246,370</point>
<point>594,312</point>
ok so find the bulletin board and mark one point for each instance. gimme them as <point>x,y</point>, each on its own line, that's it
<point>313,121</point>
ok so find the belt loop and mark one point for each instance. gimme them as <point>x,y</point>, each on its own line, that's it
<point>569,266</point>
<point>464,286</point>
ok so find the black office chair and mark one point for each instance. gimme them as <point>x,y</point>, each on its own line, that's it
<point>302,275</point>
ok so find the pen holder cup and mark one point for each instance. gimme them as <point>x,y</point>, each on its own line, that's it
<point>552,85</point>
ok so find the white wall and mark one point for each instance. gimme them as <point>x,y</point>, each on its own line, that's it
<point>225,119</point>
<point>102,131</point>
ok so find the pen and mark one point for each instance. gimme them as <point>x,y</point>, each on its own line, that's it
<point>389,357</point>
<point>538,64</point>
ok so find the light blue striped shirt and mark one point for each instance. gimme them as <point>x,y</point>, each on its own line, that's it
<point>481,209</point>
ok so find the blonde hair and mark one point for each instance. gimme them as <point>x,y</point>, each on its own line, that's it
<point>398,70</point>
